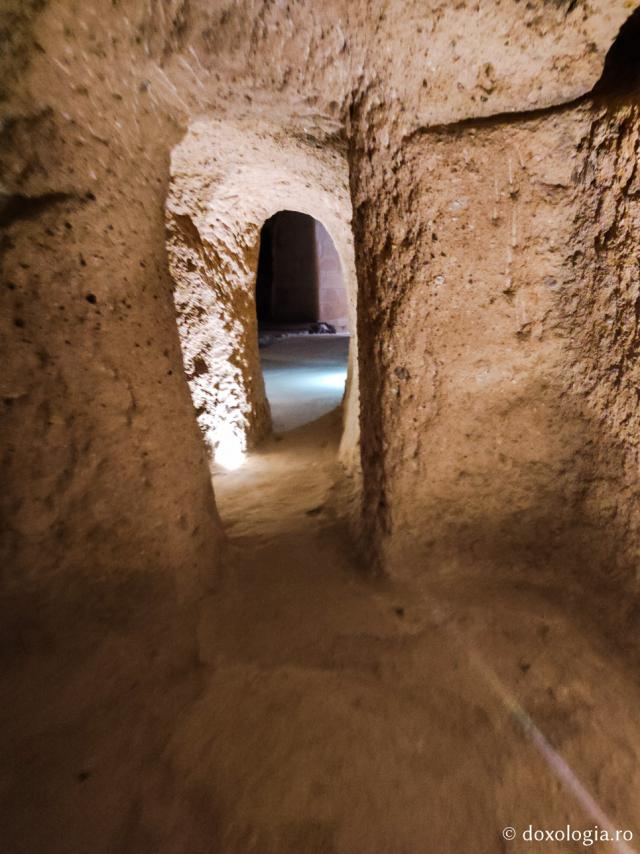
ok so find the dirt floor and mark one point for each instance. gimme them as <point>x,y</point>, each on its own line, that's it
<point>328,711</point>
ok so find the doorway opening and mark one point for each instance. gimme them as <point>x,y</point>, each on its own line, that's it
<point>302,312</point>
<point>213,245</point>
<point>299,279</point>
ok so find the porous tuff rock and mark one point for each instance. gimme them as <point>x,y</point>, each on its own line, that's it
<point>602,308</point>
<point>499,290</point>
<point>227,179</point>
<point>105,477</point>
<point>109,521</point>
<point>99,517</point>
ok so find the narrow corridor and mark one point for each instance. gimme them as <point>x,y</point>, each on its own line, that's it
<point>369,589</point>
<point>373,708</point>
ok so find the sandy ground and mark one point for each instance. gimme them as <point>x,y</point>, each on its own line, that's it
<point>304,377</point>
<point>328,712</point>
<point>359,716</point>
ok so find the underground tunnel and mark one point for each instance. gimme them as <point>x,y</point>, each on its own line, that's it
<point>302,312</point>
<point>319,417</point>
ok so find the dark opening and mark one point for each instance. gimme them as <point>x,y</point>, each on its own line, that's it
<point>264,278</point>
<point>302,310</point>
<point>287,279</point>
<point>621,72</point>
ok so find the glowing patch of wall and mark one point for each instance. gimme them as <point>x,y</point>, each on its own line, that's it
<point>226,180</point>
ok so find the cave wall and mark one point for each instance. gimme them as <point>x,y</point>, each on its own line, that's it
<point>504,249</point>
<point>332,296</point>
<point>499,381</point>
<point>98,516</point>
<point>215,312</point>
<point>601,309</point>
<point>95,96</point>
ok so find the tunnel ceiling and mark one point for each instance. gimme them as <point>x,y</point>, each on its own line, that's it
<point>308,65</point>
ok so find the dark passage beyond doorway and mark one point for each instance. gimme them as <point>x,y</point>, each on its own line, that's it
<point>299,285</point>
<point>299,279</point>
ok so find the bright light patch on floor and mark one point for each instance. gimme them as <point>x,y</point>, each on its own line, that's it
<point>304,377</point>
<point>230,448</point>
<point>332,379</point>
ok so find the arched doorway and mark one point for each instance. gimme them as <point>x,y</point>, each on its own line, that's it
<point>214,244</point>
<point>302,312</point>
<point>299,280</point>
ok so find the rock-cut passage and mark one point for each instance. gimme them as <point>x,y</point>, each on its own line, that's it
<point>301,307</point>
<point>408,627</point>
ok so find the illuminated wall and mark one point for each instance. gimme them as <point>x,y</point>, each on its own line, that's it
<point>226,181</point>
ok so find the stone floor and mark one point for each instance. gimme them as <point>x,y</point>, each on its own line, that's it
<point>304,377</point>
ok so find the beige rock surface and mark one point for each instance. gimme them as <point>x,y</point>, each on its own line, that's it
<point>159,696</point>
<point>227,179</point>
<point>96,95</point>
